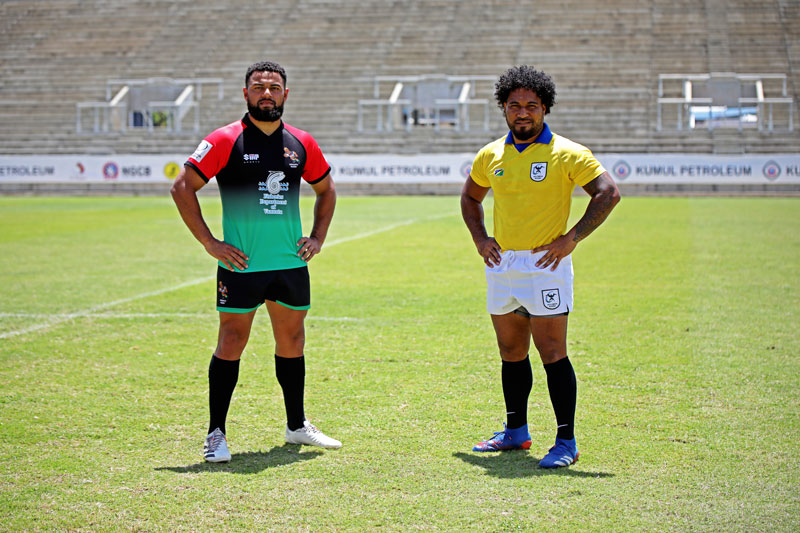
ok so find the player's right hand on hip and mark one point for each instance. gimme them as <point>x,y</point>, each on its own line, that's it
<point>228,255</point>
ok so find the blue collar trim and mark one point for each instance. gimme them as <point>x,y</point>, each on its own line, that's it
<point>543,138</point>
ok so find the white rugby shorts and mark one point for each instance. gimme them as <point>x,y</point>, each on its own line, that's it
<point>517,281</point>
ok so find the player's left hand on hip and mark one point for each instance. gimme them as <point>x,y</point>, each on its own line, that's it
<point>555,252</point>
<point>308,248</point>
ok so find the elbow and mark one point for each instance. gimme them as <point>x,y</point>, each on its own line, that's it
<point>615,196</point>
<point>612,194</point>
<point>177,188</point>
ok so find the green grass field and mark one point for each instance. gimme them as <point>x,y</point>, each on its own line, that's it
<point>684,339</point>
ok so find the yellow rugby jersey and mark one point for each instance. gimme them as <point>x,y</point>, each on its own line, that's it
<point>533,189</point>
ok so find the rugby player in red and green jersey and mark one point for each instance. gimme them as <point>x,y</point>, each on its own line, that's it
<point>258,163</point>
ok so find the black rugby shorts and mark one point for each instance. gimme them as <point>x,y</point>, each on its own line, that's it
<point>242,292</point>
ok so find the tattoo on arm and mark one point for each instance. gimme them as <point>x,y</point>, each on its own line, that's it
<point>605,196</point>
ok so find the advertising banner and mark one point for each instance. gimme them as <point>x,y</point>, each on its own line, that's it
<point>421,168</point>
<point>700,168</point>
<point>90,168</point>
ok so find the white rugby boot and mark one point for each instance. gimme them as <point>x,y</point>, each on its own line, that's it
<point>310,435</point>
<point>215,449</point>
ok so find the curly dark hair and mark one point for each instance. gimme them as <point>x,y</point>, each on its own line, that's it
<point>264,66</point>
<point>525,77</point>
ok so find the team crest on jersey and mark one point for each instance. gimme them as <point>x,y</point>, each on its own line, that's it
<point>498,172</point>
<point>538,171</point>
<point>201,150</point>
<point>292,156</point>
<point>551,298</point>
<point>274,181</point>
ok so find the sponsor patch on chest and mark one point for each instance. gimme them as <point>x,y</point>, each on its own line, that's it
<point>538,171</point>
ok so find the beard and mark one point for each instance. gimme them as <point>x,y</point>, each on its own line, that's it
<point>523,135</point>
<point>533,130</point>
<point>266,114</point>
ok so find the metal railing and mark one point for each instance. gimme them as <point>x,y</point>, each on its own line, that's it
<point>720,97</point>
<point>424,100</point>
<point>131,107</point>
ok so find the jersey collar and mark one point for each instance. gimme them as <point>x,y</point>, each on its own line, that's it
<point>543,138</point>
<point>246,120</point>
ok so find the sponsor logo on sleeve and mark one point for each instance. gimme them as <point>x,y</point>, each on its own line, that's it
<point>202,149</point>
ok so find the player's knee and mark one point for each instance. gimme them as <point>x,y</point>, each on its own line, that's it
<point>292,341</point>
<point>512,352</point>
<point>232,341</point>
<point>551,355</point>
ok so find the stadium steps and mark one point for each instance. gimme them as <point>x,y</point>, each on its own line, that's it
<point>605,62</point>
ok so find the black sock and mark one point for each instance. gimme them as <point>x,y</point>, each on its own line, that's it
<point>517,380</point>
<point>563,394</point>
<point>222,378</point>
<point>291,373</point>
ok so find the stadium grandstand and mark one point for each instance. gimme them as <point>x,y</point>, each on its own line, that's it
<point>372,77</point>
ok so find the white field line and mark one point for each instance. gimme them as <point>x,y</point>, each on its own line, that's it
<point>384,229</point>
<point>53,320</point>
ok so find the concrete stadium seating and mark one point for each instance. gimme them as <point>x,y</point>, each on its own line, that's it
<point>605,58</point>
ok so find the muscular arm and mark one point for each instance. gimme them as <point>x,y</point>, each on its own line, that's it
<point>472,196</point>
<point>323,213</point>
<point>604,196</point>
<point>184,193</point>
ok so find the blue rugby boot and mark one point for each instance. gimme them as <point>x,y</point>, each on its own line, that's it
<point>563,453</point>
<point>508,439</point>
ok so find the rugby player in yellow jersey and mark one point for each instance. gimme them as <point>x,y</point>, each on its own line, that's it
<point>532,173</point>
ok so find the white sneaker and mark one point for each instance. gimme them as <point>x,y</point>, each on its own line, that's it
<point>308,434</point>
<point>215,449</point>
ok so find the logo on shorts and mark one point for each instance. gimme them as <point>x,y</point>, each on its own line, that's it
<point>223,293</point>
<point>551,298</point>
<point>498,172</point>
<point>538,171</point>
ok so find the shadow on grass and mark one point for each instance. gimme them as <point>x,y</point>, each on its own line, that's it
<point>249,462</point>
<point>517,464</point>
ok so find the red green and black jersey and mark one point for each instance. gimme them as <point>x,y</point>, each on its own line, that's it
<point>259,184</point>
